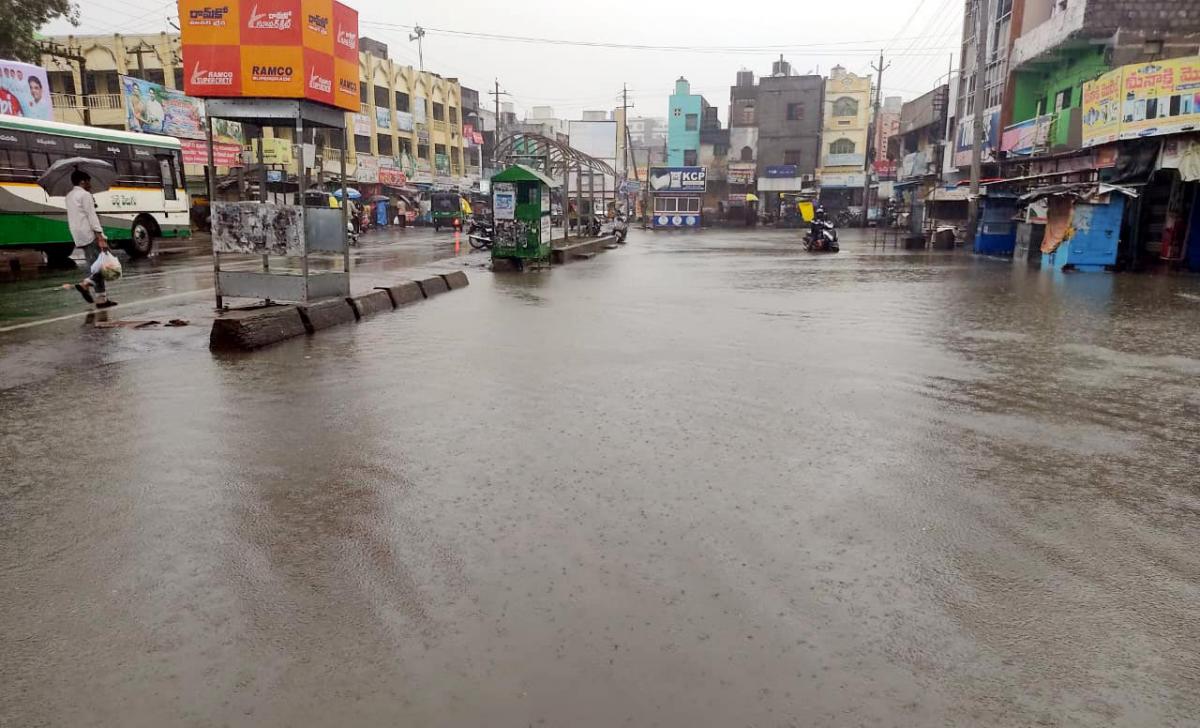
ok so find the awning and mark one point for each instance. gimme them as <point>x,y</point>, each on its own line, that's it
<point>954,194</point>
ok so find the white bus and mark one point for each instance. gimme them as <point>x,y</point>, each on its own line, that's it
<point>146,202</point>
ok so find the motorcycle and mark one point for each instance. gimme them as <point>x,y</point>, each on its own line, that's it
<point>821,237</point>
<point>618,228</point>
<point>480,233</point>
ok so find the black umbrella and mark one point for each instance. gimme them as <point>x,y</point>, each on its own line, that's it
<point>57,179</point>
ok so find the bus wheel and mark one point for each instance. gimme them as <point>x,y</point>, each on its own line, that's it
<point>141,238</point>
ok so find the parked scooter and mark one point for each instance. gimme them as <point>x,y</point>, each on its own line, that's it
<point>618,227</point>
<point>480,233</point>
<point>822,234</point>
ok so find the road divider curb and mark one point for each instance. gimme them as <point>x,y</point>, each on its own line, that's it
<point>245,329</point>
<point>252,328</point>
<point>433,286</point>
<point>369,304</point>
<point>328,313</point>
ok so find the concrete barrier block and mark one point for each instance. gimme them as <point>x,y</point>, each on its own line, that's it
<point>245,329</point>
<point>368,304</point>
<point>456,280</point>
<point>404,293</point>
<point>324,314</point>
<point>433,286</point>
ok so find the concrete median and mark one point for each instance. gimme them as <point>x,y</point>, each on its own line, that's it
<point>433,286</point>
<point>326,314</point>
<point>456,280</point>
<point>369,304</point>
<point>251,328</point>
<point>404,293</point>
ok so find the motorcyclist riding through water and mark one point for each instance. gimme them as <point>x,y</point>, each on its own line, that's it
<point>821,232</point>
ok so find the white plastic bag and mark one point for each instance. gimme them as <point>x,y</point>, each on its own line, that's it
<point>107,266</point>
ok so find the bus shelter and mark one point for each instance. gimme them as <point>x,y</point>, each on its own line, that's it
<point>521,210</point>
<point>286,237</point>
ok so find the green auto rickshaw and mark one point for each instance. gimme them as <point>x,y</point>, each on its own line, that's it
<point>446,208</point>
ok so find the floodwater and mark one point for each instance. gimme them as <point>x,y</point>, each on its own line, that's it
<point>706,479</point>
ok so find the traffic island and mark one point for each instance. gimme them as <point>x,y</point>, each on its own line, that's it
<point>565,252</point>
<point>246,329</point>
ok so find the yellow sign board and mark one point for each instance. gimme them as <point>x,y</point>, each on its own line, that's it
<point>274,150</point>
<point>1102,109</point>
<point>1161,97</point>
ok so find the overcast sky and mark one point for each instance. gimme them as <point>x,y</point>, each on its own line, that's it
<point>918,37</point>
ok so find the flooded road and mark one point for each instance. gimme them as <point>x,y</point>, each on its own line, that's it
<point>702,480</point>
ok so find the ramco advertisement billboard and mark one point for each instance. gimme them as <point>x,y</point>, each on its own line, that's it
<point>293,49</point>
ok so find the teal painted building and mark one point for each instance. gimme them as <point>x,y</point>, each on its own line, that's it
<point>685,111</point>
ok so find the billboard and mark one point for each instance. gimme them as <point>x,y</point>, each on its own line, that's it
<point>1102,108</point>
<point>595,138</point>
<point>24,91</point>
<point>292,49</point>
<point>678,179</point>
<point>154,109</point>
<point>1162,97</point>
<point>965,139</point>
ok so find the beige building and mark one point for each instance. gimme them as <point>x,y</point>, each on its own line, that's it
<point>409,120</point>
<point>844,135</point>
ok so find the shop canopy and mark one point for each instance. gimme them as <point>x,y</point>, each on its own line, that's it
<point>521,173</point>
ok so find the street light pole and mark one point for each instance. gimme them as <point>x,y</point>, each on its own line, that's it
<point>977,142</point>
<point>418,35</point>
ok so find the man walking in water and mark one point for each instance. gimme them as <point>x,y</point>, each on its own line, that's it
<point>88,234</point>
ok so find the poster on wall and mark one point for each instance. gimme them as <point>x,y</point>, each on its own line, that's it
<point>24,91</point>
<point>504,201</point>
<point>965,139</point>
<point>1162,97</point>
<point>1102,109</point>
<point>151,108</point>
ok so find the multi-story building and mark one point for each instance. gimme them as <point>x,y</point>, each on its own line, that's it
<point>714,157</point>
<point>742,174</point>
<point>683,125</point>
<point>998,38</point>
<point>917,148</point>
<point>844,138</point>
<point>788,114</point>
<point>887,125</point>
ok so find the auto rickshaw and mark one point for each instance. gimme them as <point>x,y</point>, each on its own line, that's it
<point>445,208</point>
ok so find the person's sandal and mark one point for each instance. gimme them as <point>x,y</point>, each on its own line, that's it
<point>106,304</point>
<point>83,291</point>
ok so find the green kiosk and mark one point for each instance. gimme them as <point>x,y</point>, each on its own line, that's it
<point>521,211</point>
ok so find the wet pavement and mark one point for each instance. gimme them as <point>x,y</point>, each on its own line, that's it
<point>705,479</point>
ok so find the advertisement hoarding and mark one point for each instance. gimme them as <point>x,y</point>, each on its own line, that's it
<point>965,139</point>
<point>195,151</point>
<point>779,171</point>
<point>367,169</point>
<point>595,138</point>
<point>271,49</point>
<point>1162,97</point>
<point>678,179</point>
<point>392,177</point>
<point>1027,137</point>
<point>24,91</point>
<point>1101,110</point>
<point>154,109</point>
<point>404,121</point>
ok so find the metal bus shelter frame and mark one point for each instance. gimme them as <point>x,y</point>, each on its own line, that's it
<point>317,230</point>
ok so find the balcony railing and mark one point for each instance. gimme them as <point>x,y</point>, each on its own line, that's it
<point>93,101</point>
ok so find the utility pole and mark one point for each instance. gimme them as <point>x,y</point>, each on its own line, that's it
<point>418,35</point>
<point>50,48</point>
<point>981,18</point>
<point>872,134</point>
<point>496,94</point>
<point>142,49</point>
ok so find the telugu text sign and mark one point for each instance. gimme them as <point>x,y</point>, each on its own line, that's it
<point>1160,97</point>
<point>1102,108</point>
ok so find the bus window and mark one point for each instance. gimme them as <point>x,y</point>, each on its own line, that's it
<point>167,177</point>
<point>39,162</point>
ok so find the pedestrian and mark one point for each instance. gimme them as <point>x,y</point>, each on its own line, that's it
<point>354,215</point>
<point>402,212</point>
<point>381,214</point>
<point>88,234</point>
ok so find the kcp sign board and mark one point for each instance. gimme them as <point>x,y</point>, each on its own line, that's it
<point>678,179</point>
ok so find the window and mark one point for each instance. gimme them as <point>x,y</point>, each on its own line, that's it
<point>454,115</point>
<point>15,166</point>
<point>401,101</point>
<point>795,112</point>
<point>362,93</point>
<point>791,156</point>
<point>362,144</point>
<point>691,122</point>
<point>666,204</point>
<point>842,146</point>
<point>845,106</point>
<point>178,73</point>
<point>385,144</point>
<point>383,97</point>
<point>439,111</point>
<point>1062,100</point>
<point>405,147</point>
<point>155,75</point>
<point>689,157</point>
<point>423,151</point>
<point>720,150</point>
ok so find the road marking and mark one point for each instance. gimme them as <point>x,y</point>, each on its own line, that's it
<point>79,314</point>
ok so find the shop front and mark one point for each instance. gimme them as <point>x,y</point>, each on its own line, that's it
<point>676,196</point>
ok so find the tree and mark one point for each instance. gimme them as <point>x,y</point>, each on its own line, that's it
<point>22,20</point>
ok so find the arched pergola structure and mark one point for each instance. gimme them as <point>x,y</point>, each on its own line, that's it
<point>584,177</point>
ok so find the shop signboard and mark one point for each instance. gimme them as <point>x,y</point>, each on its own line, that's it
<point>1162,97</point>
<point>293,49</point>
<point>24,91</point>
<point>383,117</point>
<point>274,150</point>
<point>392,177</point>
<point>965,138</point>
<point>1026,137</point>
<point>404,121</point>
<point>367,169</point>
<point>1101,112</point>
<point>740,173</point>
<point>418,110</point>
<point>195,151</point>
<point>362,124</point>
<point>678,179</point>
<point>852,180</point>
<point>781,171</point>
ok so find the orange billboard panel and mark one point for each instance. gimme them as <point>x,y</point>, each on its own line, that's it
<point>212,70</point>
<point>273,72</point>
<point>209,22</point>
<point>319,80</point>
<point>346,94</point>
<point>271,22</point>
<point>345,30</point>
<point>317,16</point>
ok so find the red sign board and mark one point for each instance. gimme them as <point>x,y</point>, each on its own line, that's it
<point>392,177</point>
<point>195,151</point>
